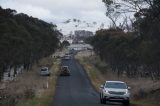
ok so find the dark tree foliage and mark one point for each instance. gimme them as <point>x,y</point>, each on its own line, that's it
<point>149,29</point>
<point>135,53</point>
<point>24,40</point>
<point>117,48</point>
<point>65,43</point>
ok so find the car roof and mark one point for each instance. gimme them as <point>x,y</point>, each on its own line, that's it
<point>65,66</point>
<point>116,81</point>
<point>67,55</point>
<point>44,68</point>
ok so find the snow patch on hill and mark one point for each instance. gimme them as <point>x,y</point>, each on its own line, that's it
<point>70,25</point>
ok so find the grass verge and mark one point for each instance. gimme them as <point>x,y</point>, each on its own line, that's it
<point>44,97</point>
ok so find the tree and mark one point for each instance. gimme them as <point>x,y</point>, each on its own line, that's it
<point>126,6</point>
<point>65,43</point>
<point>120,8</point>
<point>137,51</point>
<point>24,40</point>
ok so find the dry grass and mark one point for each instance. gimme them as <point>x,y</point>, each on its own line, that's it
<point>31,89</point>
<point>44,96</point>
<point>143,90</point>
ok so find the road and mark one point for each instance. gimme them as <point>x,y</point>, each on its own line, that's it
<point>76,90</point>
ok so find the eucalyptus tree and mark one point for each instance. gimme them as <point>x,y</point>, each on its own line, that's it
<point>24,39</point>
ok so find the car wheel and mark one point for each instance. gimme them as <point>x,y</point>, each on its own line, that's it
<point>102,100</point>
<point>126,103</point>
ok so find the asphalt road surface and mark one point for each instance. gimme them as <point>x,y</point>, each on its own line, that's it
<point>76,90</point>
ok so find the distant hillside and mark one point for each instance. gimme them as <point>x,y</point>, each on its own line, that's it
<point>71,25</point>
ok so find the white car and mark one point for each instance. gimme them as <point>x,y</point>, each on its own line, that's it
<point>115,91</point>
<point>44,71</point>
<point>67,57</point>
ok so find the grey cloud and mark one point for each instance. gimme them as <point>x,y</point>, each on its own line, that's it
<point>57,11</point>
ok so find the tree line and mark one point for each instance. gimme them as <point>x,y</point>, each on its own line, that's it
<point>24,39</point>
<point>136,52</point>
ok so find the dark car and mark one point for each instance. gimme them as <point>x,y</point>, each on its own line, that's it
<point>65,71</point>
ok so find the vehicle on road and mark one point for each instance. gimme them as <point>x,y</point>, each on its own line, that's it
<point>67,57</point>
<point>115,91</point>
<point>44,71</point>
<point>65,71</point>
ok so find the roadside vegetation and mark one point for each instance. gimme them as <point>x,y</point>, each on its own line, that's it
<point>144,91</point>
<point>45,95</point>
<point>135,51</point>
<point>29,43</point>
<point>31,89</point>
<point>129,51</point>
<point>137,56</point>
<point>24,40</point>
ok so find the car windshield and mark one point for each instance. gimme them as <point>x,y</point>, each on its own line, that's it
<point>43,69</point>
<point>116,85</point>
<point>64,68</point>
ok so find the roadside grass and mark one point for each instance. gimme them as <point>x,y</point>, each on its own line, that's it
<point>44,97</point>
<point>98,74</point>
<point>31,89</point>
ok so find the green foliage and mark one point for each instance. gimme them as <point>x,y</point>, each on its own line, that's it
<point>24,40</point>
<point>124,52</point>
<point>114,47</point>
<point>135,53</point>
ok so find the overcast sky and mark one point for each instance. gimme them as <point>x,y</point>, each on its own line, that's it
<point>57,11</point>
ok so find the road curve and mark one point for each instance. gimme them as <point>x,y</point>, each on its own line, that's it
<point>76,90</point>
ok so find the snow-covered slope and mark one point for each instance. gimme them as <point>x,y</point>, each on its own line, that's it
<point>69,26</point>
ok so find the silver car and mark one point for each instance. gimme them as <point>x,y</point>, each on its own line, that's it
<point>67,57</point>
<point>44,71</point>
<point>115,91</point>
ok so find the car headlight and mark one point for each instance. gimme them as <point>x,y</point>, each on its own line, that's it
<point>127,92</point>
<point>105,91</point>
